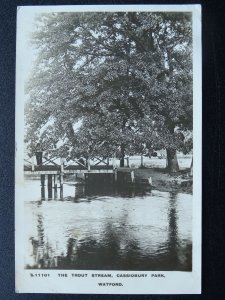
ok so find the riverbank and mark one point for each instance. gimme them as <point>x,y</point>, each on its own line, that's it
<point>163,181</point>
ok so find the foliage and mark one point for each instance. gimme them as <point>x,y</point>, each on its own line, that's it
<point>126,75</point>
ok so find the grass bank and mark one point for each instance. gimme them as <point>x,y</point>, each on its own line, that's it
<point>161,180</point>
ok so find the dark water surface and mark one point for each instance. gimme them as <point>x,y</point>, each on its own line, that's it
<point>108,229</point>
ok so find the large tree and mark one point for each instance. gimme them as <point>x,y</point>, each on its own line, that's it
<point>125,76</point>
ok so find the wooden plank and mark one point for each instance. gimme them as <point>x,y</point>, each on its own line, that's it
<point>28,161</point>
<point>101,171</point>
<point>68,165</point>
<point>50,160</point>
<point>99,161</point>
<point>41,172</point>
<point>79,163</point>
<point>86,171</point>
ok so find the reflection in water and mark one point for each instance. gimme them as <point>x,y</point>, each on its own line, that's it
<point>110,229</point>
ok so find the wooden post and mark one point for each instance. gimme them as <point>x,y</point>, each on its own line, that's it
<point>61,185</point>
<point>127,158</point>
<point>142,161</point>
<point>49,186</point>
<point>107,161</point>
<point>61,178</point>
<point>132,176</point>
<point>42,192</point>
<point>62,166</point>
<point>114,162</point>
<point>61,192</point>
<point>42,186</point>
<point>88,164</point>
<point>55,186</point>
<point>42,180</point>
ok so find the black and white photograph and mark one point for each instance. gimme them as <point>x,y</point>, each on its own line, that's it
<point>108,149</point>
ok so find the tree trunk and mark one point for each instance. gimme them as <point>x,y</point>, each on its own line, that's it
<point>122,156</point>
<point>172,163</point>
<point>122,162</point>
<point>70,133</point>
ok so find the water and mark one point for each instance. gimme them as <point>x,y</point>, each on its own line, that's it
<point>108,229</point>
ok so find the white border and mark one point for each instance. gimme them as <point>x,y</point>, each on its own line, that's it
<point>174,282</point>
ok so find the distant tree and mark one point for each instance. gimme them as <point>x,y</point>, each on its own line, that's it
<point>126,76</point>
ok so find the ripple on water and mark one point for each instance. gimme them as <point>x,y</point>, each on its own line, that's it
<point>151,231</point>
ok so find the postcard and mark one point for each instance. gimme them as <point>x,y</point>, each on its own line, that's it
<point>108,149</point>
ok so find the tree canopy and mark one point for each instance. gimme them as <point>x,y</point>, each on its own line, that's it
<point>124,77</point>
